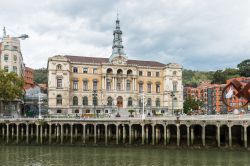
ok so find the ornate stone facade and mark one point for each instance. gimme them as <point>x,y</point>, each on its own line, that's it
<point>91,85</point>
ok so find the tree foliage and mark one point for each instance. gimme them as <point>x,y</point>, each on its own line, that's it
<point>244,68</point>
<point>191,104</point>
<point>193,78</point>
<point>11,86</point>
<point>41,76</point>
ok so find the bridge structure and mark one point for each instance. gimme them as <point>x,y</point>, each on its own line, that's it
<point>185,131</point>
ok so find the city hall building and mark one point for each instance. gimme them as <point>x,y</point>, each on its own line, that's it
<point>98,86</point>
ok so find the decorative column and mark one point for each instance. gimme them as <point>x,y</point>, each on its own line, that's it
<point>7,133</point>
<point>57,133</point>
<point>98,132</point>
<point>146,134</point>
<point>37,133</point>
<point>245,136</point>
<point>32,131</point>
<point>230,135</point>
<point>22,132</point>
<point>218,135</point>
<point>165,134</point>
<point>12,131</point>
<point>17,133</point>
<point>153,134</point>
<point>188,135</point>
<point>203,135</point>
<point>41,134</point>
<point>50,128</point>
<point>83,133</point>
<point>27,133</point>
<point>156,134</point>
<point>61,133</point>
<point>106,134</point>
<point>3,133</point>
<point>117,140</point>
<point>124,134</point>
<point>178,134</point>
<point>95,134</point>
<point>71,133</point>
<point>168,135</point>
<point>142,134</point>
<point>192,135</point>
<point>130,134</point>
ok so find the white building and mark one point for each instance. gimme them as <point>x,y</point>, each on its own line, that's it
<point>90,85</point>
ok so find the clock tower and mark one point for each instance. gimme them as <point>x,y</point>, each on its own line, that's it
<point>118,56</point>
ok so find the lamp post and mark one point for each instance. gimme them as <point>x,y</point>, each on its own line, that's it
<point>39,105</point>
<point>94,101</point>
<point>143,102</point>
<point>172,95</point>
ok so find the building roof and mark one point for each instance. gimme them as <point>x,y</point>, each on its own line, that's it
<point>106,60</point>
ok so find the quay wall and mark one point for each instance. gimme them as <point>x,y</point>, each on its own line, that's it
<point>181,132</point>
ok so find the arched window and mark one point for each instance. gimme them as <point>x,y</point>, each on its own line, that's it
<point>110,101</point>
<point>59,67</point>
<point>130,101</point>
<point>59,100</point>
<point>75,100</point>
<point>119,72</point>
<point>129,72</point>
<point>109,71</point>
<point>157,102</point>
<point>174,73</point>
<point>85,100</point>
<point>149,102</point>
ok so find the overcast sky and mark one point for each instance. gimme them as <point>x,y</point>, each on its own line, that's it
<point>199,34</point>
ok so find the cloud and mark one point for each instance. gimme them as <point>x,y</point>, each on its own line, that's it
<point>204,35</point>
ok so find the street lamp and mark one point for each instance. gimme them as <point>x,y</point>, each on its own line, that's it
<point>39,105</point>
<point>142,95</point>
<point>94,100</point>
<point>172,95</point>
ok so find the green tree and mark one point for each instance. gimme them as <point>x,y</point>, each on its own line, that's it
<point>191,104</point>
<point>244,68</point>
<point>219,77</point>
<point>41,76</point>
<point>11,88</point>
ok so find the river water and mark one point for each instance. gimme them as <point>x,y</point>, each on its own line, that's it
<point>119,156</point>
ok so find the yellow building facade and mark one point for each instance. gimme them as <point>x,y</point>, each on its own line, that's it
<point>92,85</point>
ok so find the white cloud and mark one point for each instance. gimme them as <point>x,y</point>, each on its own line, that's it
<point>198,34</point>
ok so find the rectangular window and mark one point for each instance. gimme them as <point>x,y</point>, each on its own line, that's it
<point>95,70</point>
<point>140,73</point>
<point>85,70</point>
<point>14,69</point>
<point>14,48</point>
<point>149,87</point>
<point>157,74</point>
<point>108,86</point>
<point>75,85</point>
<point>158,88</point>
<point>149,74</point>
<point>75,69</point>
<point>15,58</point>
<point>140,87</point>
<point>118,86</point>
<point>128,87</point>
<point>95,85</point>
<point>6,47</point>
<point>85,85</point>
<point>6,68</point>
<point>6,57</point>
<point>59,83</point>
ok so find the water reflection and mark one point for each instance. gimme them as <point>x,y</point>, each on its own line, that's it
<point>45,155</point>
